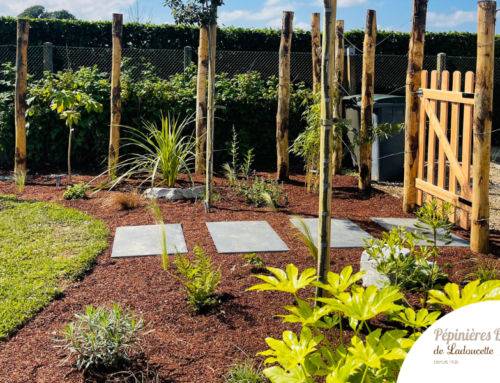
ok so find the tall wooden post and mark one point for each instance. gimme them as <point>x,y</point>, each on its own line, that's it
<point>212,41</point>
<point>413,82</point>
<point>326,146</point>
<point>483,111</point>
<point>116,103</point>
<point>283,116</point>
<point>23,27</point>
<point>365,149</point>
<point>316,50</point>
<point>337,109</point>
<point>201,102</point>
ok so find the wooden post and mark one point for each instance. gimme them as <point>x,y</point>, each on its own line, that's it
<point>201,102</point>
<point>365,149</point>
<point>337,109</point>
<point>483,112</point>
<point>326,146</point>
<point>413,81</point>
<point>441,66</point>
<point>116,103</point>
<point>23,27</point>
<point>316,51</point>
<point>351,71</point>
<point>212,40</point>
<point>283,116</point>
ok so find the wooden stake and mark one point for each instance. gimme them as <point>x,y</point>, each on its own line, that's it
<point>23,27</point>
<point>316,51</point>
<point>212,40</point>
<point>201,102</point>
<point>365,149</point>
<point>283,117</point>
<point>326,147</point>
<point>413,80</point>
<point>116,103</point>
<point>337,109</point>
<point>483,112</point>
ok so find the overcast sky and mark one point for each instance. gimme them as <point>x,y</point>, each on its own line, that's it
<point>443,15</point>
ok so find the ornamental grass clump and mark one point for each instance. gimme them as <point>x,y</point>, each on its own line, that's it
<point>103,336</point>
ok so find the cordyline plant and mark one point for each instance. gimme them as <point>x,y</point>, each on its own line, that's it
<point>318,352</point>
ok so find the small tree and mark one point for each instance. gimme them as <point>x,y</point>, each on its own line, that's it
<point>39,12</point>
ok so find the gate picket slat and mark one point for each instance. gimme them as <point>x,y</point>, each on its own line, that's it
<point>443,119</point>
<point>466,148</point>
<point>431,149</point>
<point>421,138</point>
<point>454,134</point>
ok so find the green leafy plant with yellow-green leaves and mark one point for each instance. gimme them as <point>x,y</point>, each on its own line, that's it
<point>318,352</point>
<point>78,191</point>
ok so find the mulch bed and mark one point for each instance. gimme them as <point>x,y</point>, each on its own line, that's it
<point>189,347</point>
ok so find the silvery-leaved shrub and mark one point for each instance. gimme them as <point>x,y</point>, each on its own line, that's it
<point>103,336</point>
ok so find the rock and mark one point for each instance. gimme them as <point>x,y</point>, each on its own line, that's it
<point>369,265</point>
<point>175,194</point>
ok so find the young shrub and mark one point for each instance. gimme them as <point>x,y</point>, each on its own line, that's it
<point>486,271</point>
<point>103,336</point>
<point>199,278</point>
<point>126,201</point>
<point>245,372</point>
<point>254,260</point>
<point>76,191</point>
<point>262,193</point>
<point>20,179</point>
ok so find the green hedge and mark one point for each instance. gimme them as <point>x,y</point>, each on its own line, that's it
<point>80,33</point>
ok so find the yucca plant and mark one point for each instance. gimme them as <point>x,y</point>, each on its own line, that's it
<point>158,151</point>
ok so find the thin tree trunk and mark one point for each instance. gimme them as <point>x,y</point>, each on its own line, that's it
<point>201,102</point>
<point>316,50</point>
<point>283,117</point>
<point>483,112</point>
<point>69,153</point>
<point>23,26</point>
<point>337,109</point>
<point>413,81</point>
<point>116,103</point>
<point>365,149</point>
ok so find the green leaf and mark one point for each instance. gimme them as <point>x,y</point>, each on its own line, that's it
<point>416,320</point>
<point>278,375</point>
<point>339,283</point>
<point>471,293</point>
<point>289,282</point>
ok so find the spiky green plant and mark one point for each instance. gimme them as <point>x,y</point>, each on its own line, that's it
<point>306,237</point>
<point>20,179</point>
<point>245,372</point>
<point>154,208</point>
<point>230,174</point>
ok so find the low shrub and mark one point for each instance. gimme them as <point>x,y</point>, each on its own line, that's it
<point>199,278</point>
<point>78,191</point>
<point>262,192</point>
<point>103,336</point>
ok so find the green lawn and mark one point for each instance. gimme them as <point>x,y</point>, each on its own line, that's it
<point>42,246</point>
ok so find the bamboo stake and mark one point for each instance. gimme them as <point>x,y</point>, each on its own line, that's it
<point>23,27</point>
<point>483,112</point>
<point>316,50</point>
<point>413,80</point>
<point>326,148</point>
<point>116,103</point>
<point>212,39</point>
<point>337,109</point>
<point>365,149</point>
<point>283,116</point>
<point>201,102</point>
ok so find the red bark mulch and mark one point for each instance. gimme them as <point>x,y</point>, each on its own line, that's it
<point>188,347</point>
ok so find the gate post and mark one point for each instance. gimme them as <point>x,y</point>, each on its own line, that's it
<point>483,110</point>
<point>23,28</point>
<point>413,82</point>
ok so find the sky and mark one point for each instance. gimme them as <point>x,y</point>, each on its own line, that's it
<point>443,15</point>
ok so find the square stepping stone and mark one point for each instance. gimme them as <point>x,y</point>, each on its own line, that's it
<point>409,224</point>
<point>344,234</point>
<point>140,241</point>
<point>245,237</point>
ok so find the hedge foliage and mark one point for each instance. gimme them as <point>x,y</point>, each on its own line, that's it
<point>78,33</point>
<point>251,105</point>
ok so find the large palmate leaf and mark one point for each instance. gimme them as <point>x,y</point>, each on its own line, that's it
<point>422,318</point>
<point>295,375</point>
<point>342,372</point>
<point>339,283</point>
<point>364,304</point>
<point>289,281</point>
<point>291,351</point>
<point>310,316</point>
<point>472,293</point>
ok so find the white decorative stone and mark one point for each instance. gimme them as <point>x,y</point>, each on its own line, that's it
<point>174,194</point>
<point>369,265</point>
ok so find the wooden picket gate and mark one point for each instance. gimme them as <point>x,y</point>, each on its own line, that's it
<point>434,113</point>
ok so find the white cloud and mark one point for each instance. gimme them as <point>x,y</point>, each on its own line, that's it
<point>82,9</point>
<point>450,19</point>
<point>303,25</point>
<point>272,10</point>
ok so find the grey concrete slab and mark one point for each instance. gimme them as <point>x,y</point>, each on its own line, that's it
<point>140,241</point>
<point>245,237</point>
<point>409,224</point>
<point>344,234</point>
